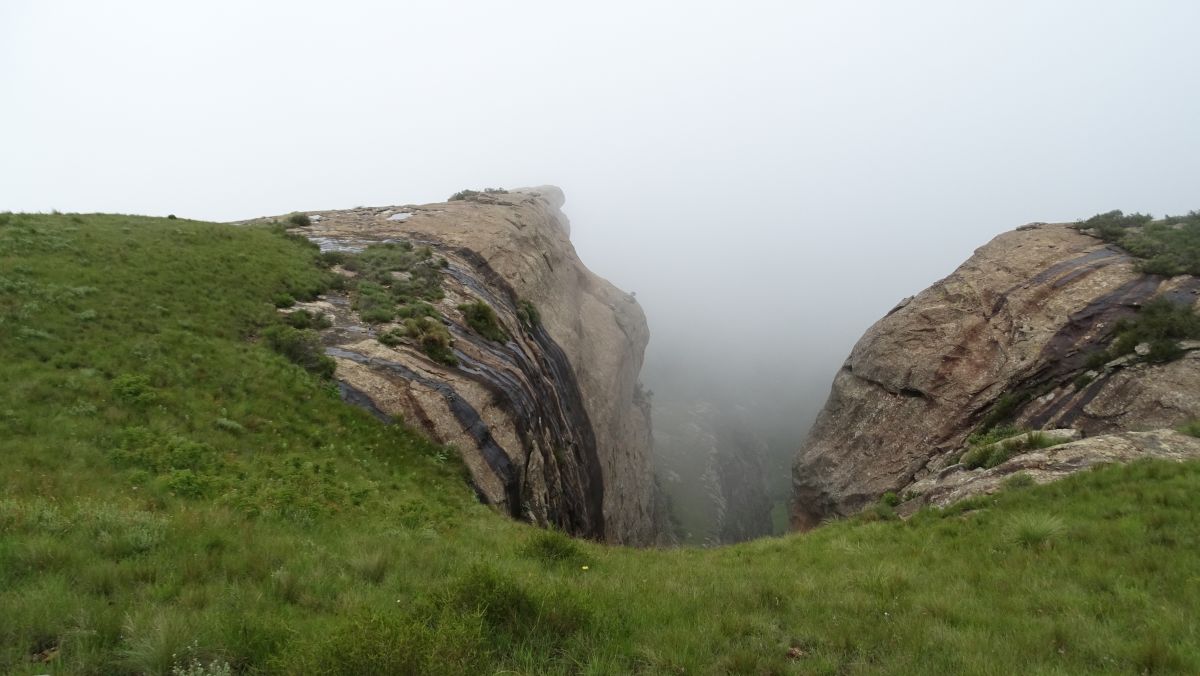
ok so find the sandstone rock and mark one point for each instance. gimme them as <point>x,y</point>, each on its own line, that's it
<point>1051,464</point>
<point>1019,318</point>
<point>549,423</point>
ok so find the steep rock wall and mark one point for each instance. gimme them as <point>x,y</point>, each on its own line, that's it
<point>713,468</point>
<point>1019,318</point>
<point>548,422</point>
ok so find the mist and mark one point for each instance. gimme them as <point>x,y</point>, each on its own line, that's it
<point>768,177</point>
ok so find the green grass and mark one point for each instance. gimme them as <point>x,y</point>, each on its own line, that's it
<point>998,445</point>
<point>178,495</point>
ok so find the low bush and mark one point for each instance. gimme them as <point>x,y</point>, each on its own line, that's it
<point>469,194</point>
<point>302,347</point>
<point>528,314</point>
<point>303,319</point>
<point>428,333</point>
<point>300,220</point>
<point>482,319</point>
<point>1169,246</point>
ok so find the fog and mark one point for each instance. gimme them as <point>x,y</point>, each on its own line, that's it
<point>768,177</point>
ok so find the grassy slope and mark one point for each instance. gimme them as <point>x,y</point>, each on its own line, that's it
<point>172,490</point>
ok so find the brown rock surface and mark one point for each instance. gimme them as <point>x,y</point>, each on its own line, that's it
<point>548,423</point>
<point>1019,317</point>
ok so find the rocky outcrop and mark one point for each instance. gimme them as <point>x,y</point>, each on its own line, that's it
<point>1043,466</point>
<point>1011,328</point>
<point>548,421</point>
<point>713,469</point>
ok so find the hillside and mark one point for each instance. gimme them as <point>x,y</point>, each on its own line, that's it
<point>184,491</point>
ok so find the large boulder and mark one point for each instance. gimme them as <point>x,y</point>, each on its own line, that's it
<point>1011,329</point>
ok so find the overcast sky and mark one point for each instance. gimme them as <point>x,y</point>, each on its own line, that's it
<point>770,177</point>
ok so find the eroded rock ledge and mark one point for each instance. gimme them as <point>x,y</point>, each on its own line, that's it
<point>1020,317</point>
<point>548,422</point>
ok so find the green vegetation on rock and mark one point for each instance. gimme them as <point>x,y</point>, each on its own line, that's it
<point>1160,324</point>
<point>471,194</point>
<point>391,279</point>
<point>994,447</point>
<point>177,496</point>
<point>1169,246</point>
<point>482,319</point>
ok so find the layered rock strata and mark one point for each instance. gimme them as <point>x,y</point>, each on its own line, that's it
<point>548,421</point>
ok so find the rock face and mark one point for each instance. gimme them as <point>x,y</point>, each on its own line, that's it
<point>549,422</point>
<point>956,482</point>
<point>713,469</point>
<point>1012,328</point>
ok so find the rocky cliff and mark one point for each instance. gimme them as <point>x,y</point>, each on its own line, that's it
<point>546,411</point>
<point>1007,336</point>
<point>712,466</point>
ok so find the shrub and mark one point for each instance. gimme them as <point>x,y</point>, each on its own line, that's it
<point>482,319</point>
<point>300,220</point>
<point>302,347</point>
<point>303,319</point>
<point>429,333</point>
<point>1169,246</point>
<point>890,499</point>
<point>1112,226</point>
<point>469,194</point>
<point>133,388</point>
<point>528,314</point>
<point>283,300</point>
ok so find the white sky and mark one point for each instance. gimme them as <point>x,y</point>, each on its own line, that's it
<point>770,177</point>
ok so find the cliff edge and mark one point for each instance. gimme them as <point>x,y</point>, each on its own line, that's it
<point>546,410</point>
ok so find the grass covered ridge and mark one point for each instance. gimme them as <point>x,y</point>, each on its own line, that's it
<point>176,492</point>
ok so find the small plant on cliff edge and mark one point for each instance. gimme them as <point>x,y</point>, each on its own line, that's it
<point>482,319</point>
<point>300,220</point>
<point>990,450</point>
<point>528,314</point>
